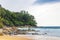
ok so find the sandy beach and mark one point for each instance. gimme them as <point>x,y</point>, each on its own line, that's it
<point>40,37</point>
<point>28,37</point>
<point>46,38</point>
<point>13,38</point>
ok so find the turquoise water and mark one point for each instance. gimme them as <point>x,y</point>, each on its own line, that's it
<point>49,31</point>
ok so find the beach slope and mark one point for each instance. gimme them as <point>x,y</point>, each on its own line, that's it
<point>13,38</point>
<point>29,37</point>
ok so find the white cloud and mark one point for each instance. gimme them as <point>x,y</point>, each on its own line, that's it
<point>16,5</point>
<point>46,15</point>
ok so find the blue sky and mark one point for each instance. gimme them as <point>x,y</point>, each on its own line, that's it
<point>46,14</point>
<point>46,1</point>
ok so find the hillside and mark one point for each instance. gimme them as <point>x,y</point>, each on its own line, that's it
<point>21,18</point>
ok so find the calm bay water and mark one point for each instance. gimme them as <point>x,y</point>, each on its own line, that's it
<point>49,31</point>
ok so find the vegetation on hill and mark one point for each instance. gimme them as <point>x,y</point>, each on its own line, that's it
<point>22,18</point>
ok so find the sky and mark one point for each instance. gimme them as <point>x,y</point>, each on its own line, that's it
<point>46,12</point>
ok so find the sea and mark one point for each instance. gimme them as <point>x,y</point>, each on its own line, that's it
<point>49,31</point>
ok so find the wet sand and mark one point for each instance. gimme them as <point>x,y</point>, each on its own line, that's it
<point>41,37</point>
<point>28,37</point>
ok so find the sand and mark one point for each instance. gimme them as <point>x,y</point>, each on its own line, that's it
<point>13,38</point>
<point>28,37</point>
<point>41,37</point>
<point>45,38</point>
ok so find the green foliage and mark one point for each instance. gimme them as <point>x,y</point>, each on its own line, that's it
<point>1,24</point>
<point>16,18</point>
<point>1,19</point>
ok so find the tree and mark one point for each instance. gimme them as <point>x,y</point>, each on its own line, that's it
<point>1,19</point>
<point>1,23</point>
<point>21,18</point>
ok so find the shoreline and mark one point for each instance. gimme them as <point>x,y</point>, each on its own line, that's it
<point>39,37</point>
<point>28,37</point>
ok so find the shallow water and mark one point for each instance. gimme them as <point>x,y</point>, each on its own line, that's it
<point>49,31</point>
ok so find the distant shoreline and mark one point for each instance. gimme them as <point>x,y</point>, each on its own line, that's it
<point>49,27</point>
